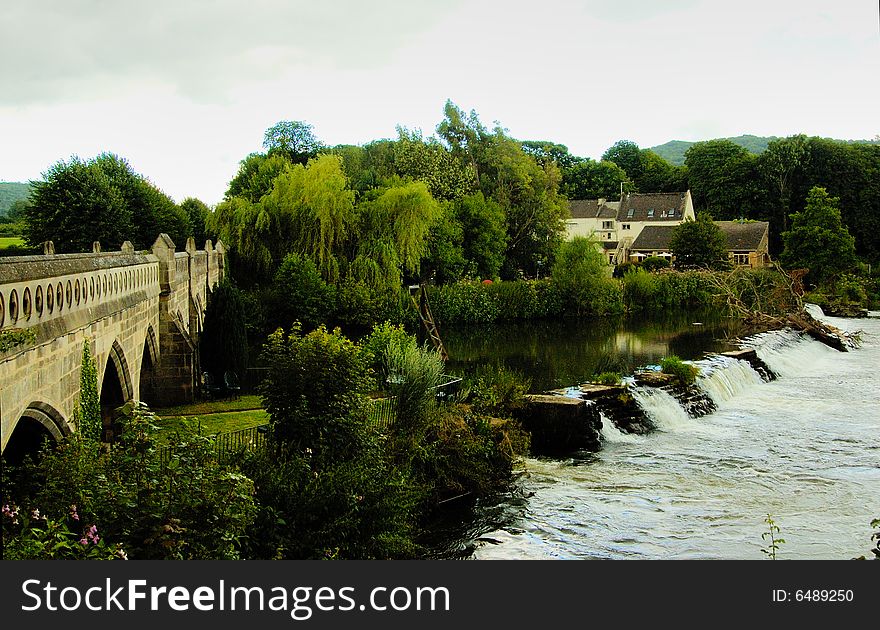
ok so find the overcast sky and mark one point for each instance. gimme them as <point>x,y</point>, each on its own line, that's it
<point>185,89</point>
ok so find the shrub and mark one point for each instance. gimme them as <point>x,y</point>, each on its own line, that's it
<point>685,372</point>
<point>299,293</point>
<point>608,378</point>
<point>497,390</point>
<point>653,263</point>
<point>176,504</point>
<point>584,279</point>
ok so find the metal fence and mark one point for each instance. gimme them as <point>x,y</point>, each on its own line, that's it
<point>381,411</point>
<point>227,443</point>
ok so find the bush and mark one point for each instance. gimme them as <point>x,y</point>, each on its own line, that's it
<point>583,278</point>
<point>654,263</point>
<point>608,378</point>
<point>685,372</point>
<point>299,293</point>
<point>180,504</point>
<point>497,390</point>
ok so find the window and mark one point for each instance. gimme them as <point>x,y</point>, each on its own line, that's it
<point>607,225</point>
<point>672,212</point>
<point>626,226</point>
<point>741,260</point>
<point>630,213</point>
<point>650,212</point>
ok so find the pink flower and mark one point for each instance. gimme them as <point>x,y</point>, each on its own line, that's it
<point>73,513</point>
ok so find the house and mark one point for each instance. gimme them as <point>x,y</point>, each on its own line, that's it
<point>747,242</point>
<point>617,225</point>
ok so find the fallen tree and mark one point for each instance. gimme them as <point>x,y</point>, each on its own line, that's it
<point>772,299</point>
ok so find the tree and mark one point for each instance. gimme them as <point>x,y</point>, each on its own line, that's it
<point>430,162</point>
<point>75,205</point>
<point>818,240</point>
<point>223,343</point>
<point>104,200</point>
<point>780,165</point>
<point>256,175</point>
<point>723,179</point>
<point>627,155</point>
<point>699,243</point>
<point>292,139</point>
<point>545,151</point>
<point>197,212</point>
<point>484,235</point>
<point>589,179</point>
<point>444,260</point>
<point>299,293</point>
<point>583,276</point>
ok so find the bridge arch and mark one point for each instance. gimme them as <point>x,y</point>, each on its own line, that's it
<point>116,388</point>
<point>39,421</point>
<point>149,361</point>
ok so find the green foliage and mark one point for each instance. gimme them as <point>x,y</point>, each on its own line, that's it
<point>589,179</point>
<point>723,179</point>
<point>497,390</point>
<point>32,536</point>
<point>292,139</point>
<point>818,239</point>
<point>173,504</point>
<point>444,260</point>
<point>102,199</point>
<point>653,292</point>
<point>197,213</point>
<point>299,293</point>
<point>223,343</point>
<point>463,302</point>
<point>770,536</point>
<point>14,337</point>
<point>685,372</point>
<point>583,277</point>
<point>654,263</point>
<point>357,508</point>
<point>627,155</point>
<point>88,411</point>
<point>384,340</point>
<point>254,179</point>
<point>699,243</point>
<point>484,235</point>
<point>430,162</point>
<point>314,391</point>
<point>608,378</point>
<point>12,192</point>
<point>413,374</point>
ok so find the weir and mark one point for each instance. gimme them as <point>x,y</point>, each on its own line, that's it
<point>650,400</point>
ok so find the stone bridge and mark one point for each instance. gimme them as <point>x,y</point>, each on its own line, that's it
<point>140,312</point>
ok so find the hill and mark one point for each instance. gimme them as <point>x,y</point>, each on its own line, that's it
<point>10,192</point>
<point>673,151</point>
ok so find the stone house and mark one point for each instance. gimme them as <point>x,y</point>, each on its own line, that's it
<point>747,242</point>
<point>617,225</point>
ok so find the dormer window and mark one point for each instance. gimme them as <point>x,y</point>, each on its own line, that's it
<point>672,212</point>
<point>630,213</point>
<point>650,213</point>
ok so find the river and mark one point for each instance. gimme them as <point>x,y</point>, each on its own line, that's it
<point>804,448</point>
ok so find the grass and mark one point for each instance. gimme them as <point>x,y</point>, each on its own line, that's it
<point>10,241</point>
<point>215,416</point>
<point>210,424</point>
<point>212,406</point>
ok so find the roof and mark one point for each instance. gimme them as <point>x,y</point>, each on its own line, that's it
<point>652,207</point>
<point>744,236</point>
<point>654,238</point>
<point>740,236</point>
<point>593,209</point>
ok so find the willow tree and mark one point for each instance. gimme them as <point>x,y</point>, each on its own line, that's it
<point>309,210</point>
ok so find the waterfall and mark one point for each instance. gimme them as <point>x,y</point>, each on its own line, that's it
<point>725,377</point>
<point>611,434</point>
<point>789,353</point>
<point>663,409</point>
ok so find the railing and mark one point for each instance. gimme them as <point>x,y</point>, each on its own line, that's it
<point>250,439</point>
<point>381,411</point>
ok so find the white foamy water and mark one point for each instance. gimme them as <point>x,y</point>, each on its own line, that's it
<point>724,378</point>
<point>804,448</point>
